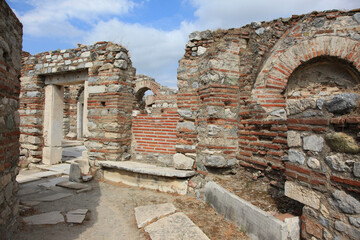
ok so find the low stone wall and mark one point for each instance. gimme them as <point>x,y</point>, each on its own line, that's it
<point>257,223</point>
<point>10,64</point>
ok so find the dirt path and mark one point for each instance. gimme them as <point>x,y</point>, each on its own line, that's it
<point>112,215</point>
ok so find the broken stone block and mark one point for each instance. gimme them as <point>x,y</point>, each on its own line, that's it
<point>54,217</point>
<point>296,156</point>
<point>186,127</point>
<point>146,214</point>
<point>76,216</point>
<point>302,194</point>
<point>75,172</point>
<point>346,203</point>
<point>293,139</point>
<point>336,162</point>
<point>313,163</point>
<point>175,226</point>
<point>183,162</point>
<point>342,103</point>
<point>347,229</point>
<point>313,143</point>
<point>341,142</point>
<point>215,161</point>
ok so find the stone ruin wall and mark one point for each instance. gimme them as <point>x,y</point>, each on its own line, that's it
<point>154,125</point>
<point>109,74</point>
<point>280,97</point>
<point>10,64</point>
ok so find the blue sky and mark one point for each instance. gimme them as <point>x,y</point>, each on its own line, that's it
<point>154,31</point>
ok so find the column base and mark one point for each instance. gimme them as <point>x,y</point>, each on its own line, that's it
<point>52,155</point>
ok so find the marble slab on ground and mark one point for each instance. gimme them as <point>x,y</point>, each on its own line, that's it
<point>52,182</point>
<point>147,214</point>
<point>54,217</point>
<point>44,174</point>
<point>54,197</point>
<point>63,168</point>
<point>28,190</point>
<point>72,185</point>
<point>174,227</point>
<point>76,216</point>
<point>80,211</point>
<point>26,178</point>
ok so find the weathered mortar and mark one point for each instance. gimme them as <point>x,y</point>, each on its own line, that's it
<point>10,63</point>
<point>237,78</point>
<point>110,77</point>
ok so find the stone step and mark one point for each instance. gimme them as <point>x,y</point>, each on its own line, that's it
<point>148,176</point>
<point>145,168</point>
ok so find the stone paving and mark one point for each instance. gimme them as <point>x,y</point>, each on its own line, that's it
<point>49,200</point>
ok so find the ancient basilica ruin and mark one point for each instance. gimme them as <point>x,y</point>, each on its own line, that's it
<point>278,99</point>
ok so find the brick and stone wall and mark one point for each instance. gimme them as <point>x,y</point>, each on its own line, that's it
<point>10,64</point>
<point>281,97</point>
<point>108,74</point>
<point>154,123</point>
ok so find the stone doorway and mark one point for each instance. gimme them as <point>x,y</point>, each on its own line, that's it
<point>54,114</point>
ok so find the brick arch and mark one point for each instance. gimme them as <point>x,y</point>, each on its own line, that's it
<point>144,85</point>
<point>273,77</point>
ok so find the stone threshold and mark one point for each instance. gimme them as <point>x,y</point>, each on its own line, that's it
<point>144,168</point>
<point>257,223</point>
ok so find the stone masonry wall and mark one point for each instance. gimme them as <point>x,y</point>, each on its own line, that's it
<point>10,64</point>
<point>280,97</point>
<point>154,127</point>
<point>110,103</point>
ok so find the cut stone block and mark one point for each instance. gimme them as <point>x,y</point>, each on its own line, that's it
<point>25,179</point>
<point>54,217</point>
<point>54,197</point>
<point>75,173</point>
<point>174,227</point>
<point>163,184</point>
<point>75,218</point>
<point>183,162</point>
<point>302,194</point>
<point>293,139</point>
<point>313,143</point>
<point>52,155</point>
<point>144,168</point>
<point>257,223</point>
<point>146,214</point>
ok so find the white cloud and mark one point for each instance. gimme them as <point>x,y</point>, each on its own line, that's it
<point>153,52</point>
<point>57,17</point>
<point>236,13</point>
